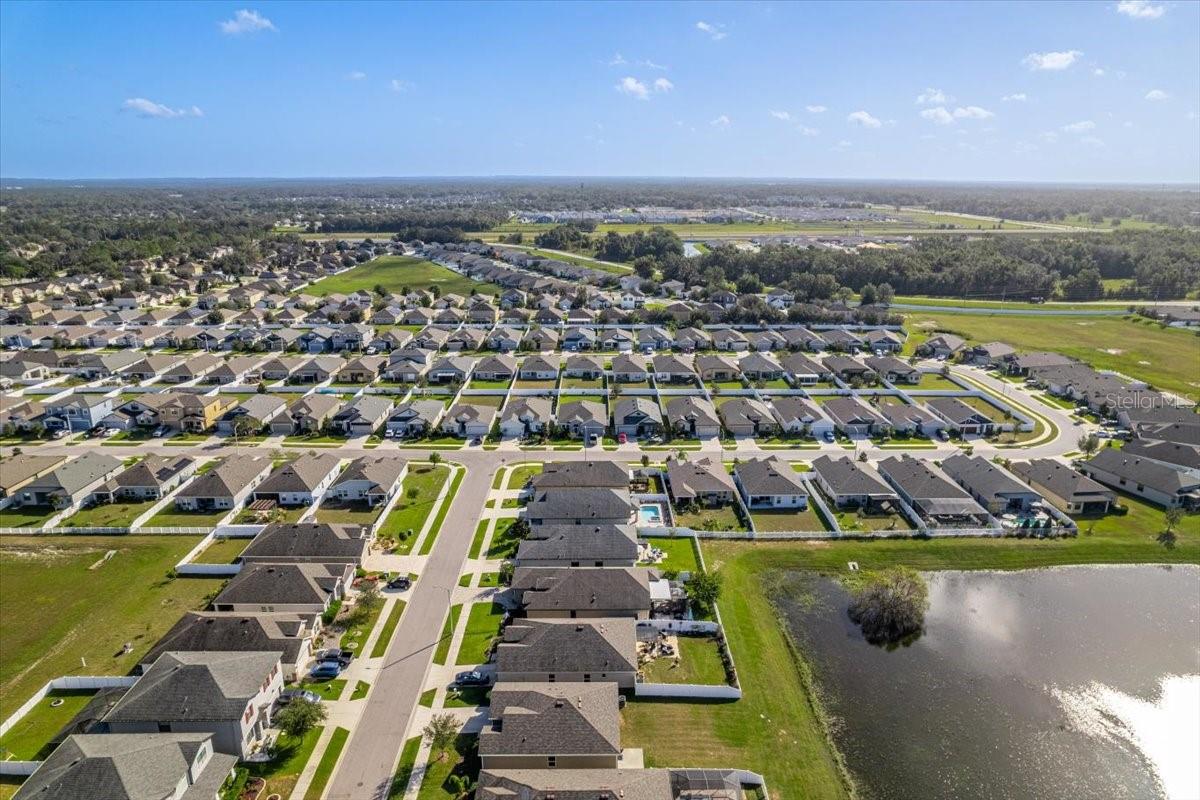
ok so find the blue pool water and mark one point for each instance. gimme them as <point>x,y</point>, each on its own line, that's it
<point>649,515</point>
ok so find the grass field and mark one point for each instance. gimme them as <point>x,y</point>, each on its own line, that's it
<point>396,272</point>
<point>27,740</point>
<point>699,662</point>
<point>503,545</point>
<point>222,551</point>
<point>107,515</point>
<point>680,552</point>
<point>379,649</point>
<point>282,773</point>
<point>1166,358</point>
<point>170,517</point>
<point>26,516</point>
<point>411,512</point>
<point>443,510</point>
<point>324,771</point>
<point>483,625</point>
<point>463,759</point>
<point>408,759</point>
<point>55,608</point>
<point>443,645</point>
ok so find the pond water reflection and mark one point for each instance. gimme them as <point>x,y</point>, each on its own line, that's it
<point>1079,683</point>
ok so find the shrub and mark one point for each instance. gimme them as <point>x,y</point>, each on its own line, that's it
<point>889,605</point>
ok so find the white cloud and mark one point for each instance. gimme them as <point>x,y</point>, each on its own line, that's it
<point>844,144</point>
<point>617,60</point>
<point>1157,94</point>
<point>720,122</point>
<point>816,109</point>
<point>1091,141</point>
<point>783,115</point>
<point>663,85</point>
<point>1018,97</point>
<point>715,31</point>
<point>807,131</point>
<point>972,112</point>
<point>933,97</point>
<point>356,75</point>
<point>939,115</point>
<point>1052,61</point>
<point>400,86</point>
<point>245,21</point>
<point>1099,72</point>
<point>863,119</point>
<point>648,64</point>
<point>1140,9</point>
<point>152,110</point>
<point>1048,136</point>
<point>634,88</point>
<point>1079,127</point>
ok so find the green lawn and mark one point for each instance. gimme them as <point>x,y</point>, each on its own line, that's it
<point>426,698</point>
<point>281,774</point>
<point>105,515</point>
<point>724,518</point>
<point>569,382</point>
<point>324,771</point>
<point>354,637</point>
<point>410,512</point>
<point>329,689</point>
<point>699,662</point>
<point>171,517</point>
<point>27,740</point>
<point>680,552</point>
<point>395,273</point>
<point>806,520</point>
<point>1170,355</point>
<point>479,383</point>
<point>361,689</point>
<point>349,513</point>
<point>443,645</point>
<point>467,697</point>
<point>463,759</point>
<point>477,540</point>
<point>222,551</point>
<point>379,649</point>
<point>933,380</point>
<point>436,528</point>
<point>26,516</point>
<point>520,474</point>
<point>408,759</point>
<point>483,625</point>
<point>55,608</point>
<point>852,521</point>
<point>503,545</point>
<point>489,579</point>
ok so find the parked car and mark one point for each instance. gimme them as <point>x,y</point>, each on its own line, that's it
<point>288,695</point>
<point>326,669</point>
<point>399,582</point>
<point>471,678</point>
<point>61,433</point>
<point>829,436</point>
<point>341,657</point>
<point>161,430</point>
<point>477,441</point>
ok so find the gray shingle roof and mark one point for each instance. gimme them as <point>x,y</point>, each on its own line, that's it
<point>208,685</point>
<point>1060,479</point>
<point>582,543</point>
<point>583,504</point>
<point>582,588</point>
<point>605,645</point>
<point>227,478</point>
<point>302,475</point>
<point>846,477</point>
<point>553,718</point>
<point>267,584</point>
<point>770,476</point>
<point>206,630</point>
<point>307,541</point>
<point>608,784</point>
<point>577,474</point>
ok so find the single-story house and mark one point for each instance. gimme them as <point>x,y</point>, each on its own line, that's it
<point>770,483</point>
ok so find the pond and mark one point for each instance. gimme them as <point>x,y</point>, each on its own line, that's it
<point>1079,682</point>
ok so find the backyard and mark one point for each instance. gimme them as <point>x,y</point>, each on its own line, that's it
<point>680,552</point>
<point>222,551</point>
<point>721,518</point>
<point>171,517</point>
<point>808,519</point>
<point>335,511</point>
<point>108,515</point>
<point>699,661</point>
<point>27,740</point>
<point>86,605</point>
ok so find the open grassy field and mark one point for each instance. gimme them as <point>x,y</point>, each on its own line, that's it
<point>396,272</point>
<point>1165,357</point>
<point>59,604</point>
<point>483,625</point>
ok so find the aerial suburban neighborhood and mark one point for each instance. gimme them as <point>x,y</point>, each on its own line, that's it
<point>540,487</point>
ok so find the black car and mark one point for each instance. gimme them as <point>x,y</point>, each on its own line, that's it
<point>471,678</point>
<point>342,657</point>
<point>399,582</point>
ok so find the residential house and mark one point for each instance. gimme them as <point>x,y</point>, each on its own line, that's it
<point>717,368</point>
<point>693,416</point>
<point>671,369</point>
<point>578,546</point>
<point>552,725</point>
<point>580,651</point>
<point>407,365</point>
<point>415,418</point>
<point>579,592</point>
<point>299,588</point>
<point>369,480</point>
<point>226,486</point>
<point>22,469</point>
<point>153,478</point>
<point>581,474</point>
<point>703,481</point>
<point>362,416</point>
<point>629,368</point>
<point>936,498</point>
<point>525,416</point>
<point>465,339</point>
<point>992,486</point>
<point>730,340</point>
<point>130,766</point>
<point>1150,480</point>
<point>586,505</point>
<point>308,543</point>
<point>941,345</point>
<point>151,366</point>
<point>643,784</point>
<point>802,370</point>
<point>1025,364</point>
<point>578,338</point>
<point>747,416</point>
<point>318,369</point>
<point>239,369</point>
<point>300,482</point>
<point>76,412</point>
<point>842,340</point>
<point>852,417</point>
<point>541,339</point>
<point>293,636</point>
<point>906,419</point>
<point>766,340</point>
<point>228,694</point>
<point>690,340</point>
<point>1070,491</point>
<point>996,355</point>
<point>450,370</point>
<point>582,419</point>
<point>893,370</point>
<point>881,340</point>
<point>469,420</point>
<point>962,418</point>
<point>362,369</point>
<point>797,416</point>
<point>307,415</point>
<point>496,368</point>
<point>69,484</point>
<point>852,485</point>
<point>192,369</point>
<point>757,367</point>
<point>770,483</point>
<point>280,369</point>
<point>539,368</point>
<point>637,417</point>
<point>262,411</point>
<point>849,369</point>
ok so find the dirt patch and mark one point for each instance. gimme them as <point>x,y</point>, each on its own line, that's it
<point>44,553</point>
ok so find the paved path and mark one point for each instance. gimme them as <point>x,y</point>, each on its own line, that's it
<point>366,772</point>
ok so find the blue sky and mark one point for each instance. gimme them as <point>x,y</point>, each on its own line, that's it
<point>1100,91</point>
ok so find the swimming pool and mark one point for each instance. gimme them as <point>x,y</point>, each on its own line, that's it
<point>650,514</point>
